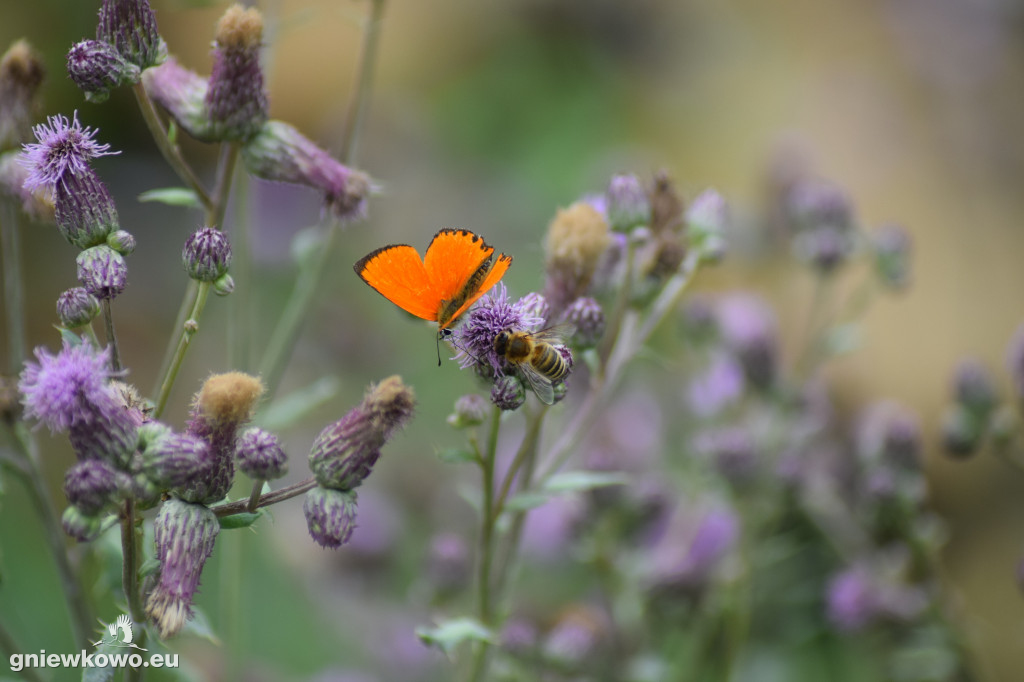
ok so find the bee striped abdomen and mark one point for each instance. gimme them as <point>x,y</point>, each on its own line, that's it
<point>549,362</point>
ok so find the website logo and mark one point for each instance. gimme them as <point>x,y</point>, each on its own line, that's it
<point>119,634</point>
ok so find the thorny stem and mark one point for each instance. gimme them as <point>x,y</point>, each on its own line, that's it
<point>489,516</point>
<point>286,493</point>
<point>13,291</point>
<point>10,647</point>
<point>108,323</point>
<point>282,341</point>
<point>169,150</point>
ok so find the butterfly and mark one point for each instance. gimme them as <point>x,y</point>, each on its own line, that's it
<point>457,269</point>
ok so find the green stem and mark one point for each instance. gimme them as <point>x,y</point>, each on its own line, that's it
<point>14,302</point>
<point>288,492</point>
<point>188,330</point>
<point>254,497</point>
<point>361,100</point>
<point>108,324</point>
<point>11,648</point>
<point>240,312</point>
<point>90,334</point>
<point>169,150</point>
<point>130,562</point>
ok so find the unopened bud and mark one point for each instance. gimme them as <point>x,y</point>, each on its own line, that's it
<point>81,526</point>
<point>260,456</point>
<point>206,255</point>
<point>627,203</point>
<point>121,241</point>
<point>130,26</point>
<point>102,271</point>
<point>508,393</point>
<point>76,308</point>
<point>97,68</point>
<point>91,485</point>
<point>470,410</point>
<point>330,516</point>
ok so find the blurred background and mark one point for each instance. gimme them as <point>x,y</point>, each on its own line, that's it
<point>490,115</point>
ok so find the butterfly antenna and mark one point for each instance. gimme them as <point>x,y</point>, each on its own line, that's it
<point>437,345</point>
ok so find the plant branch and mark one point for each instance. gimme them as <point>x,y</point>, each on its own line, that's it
<point>288,492</point>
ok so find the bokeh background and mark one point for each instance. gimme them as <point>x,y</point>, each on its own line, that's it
<point>490,115</point>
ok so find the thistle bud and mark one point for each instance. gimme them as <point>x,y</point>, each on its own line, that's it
<point>813,203</point>
<point>892,246</point>
<point>102,271</point>
<point>76,308</point>
<point>508,393</point>
<point>344,453</point>
<point>206,255</point>
<point>176,459</point>
<point>121,241</point>
<point>82,527</point>
<point>97,68</point>
<point>627,203</point>
<point>185,535</point>
<point>183,94</point>
<point>260,456</point>
<point>91,486</point>
<point>282,154</point>
<point>130,26</point>
<point>974,389</point>
<point>470,410</point>
<point>85,211</point>
<point>707,219</point>
<point>108,432</point>
<point>330,516</point>
<point>576,239</point>
<point>236,102</point>
<point>21,75</point>
<point>587,319</point>
<point>749,331</point>
<point>224,285</point>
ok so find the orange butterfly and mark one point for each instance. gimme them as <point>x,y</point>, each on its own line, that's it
<point>457,269</point>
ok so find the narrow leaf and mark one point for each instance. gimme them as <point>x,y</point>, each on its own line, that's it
<point>240,520</point>
<point>572,481</point>
<point>449,634</point>
<point>172,196</point>
<point>456,455</point>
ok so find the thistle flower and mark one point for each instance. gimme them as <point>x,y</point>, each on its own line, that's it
<point>91,486</point>
<point>470,410</point>
<point>60,389</point>
<point>587,320</point>
<point>130,26</point>
<point>627,203</point>
<point>64,147</point>
<point>236,102</point>
<point>21,75</point>
<point>749,331</point>
<point>892,247</point>
<point>815,203</point>
<point>493,314</point>
<point>508,393</point>
<point>176,459</point>
<point>851,600</point>
<point>96,67</point>
<point>718,386</point>
<point>260,456</point>
<point>206,255</point>
<point>109,431</point>
<point>84,210</point>
<point>102,271</point>
<point>281,153</point>
<point>224,404</point>
<point>82,527</point>
<point>76,308</point>
<point>330,516</point>
<point>183,94</point>
<point>576,239</point>
<point>344,453</point>
<point>693,547</point>
<point>185,534</point>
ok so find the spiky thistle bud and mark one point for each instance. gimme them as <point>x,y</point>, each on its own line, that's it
<point>282,154</point>
<point>206,255</point>
<point>587,319</point>
<point>330,516</point>
<point>21,75</point>
<point>121,241</point>
<point>130,26</point>
<point>627,203</point>
<point>576,239</point>
<point>91,485</point>
<point>183,94</point>
<point>260,456</point>
<point>344,453</point>
<point>508,393</point>
<point>185,534</point>
<point>236,102</point>
<point>102,271</point>
<point>176,459</point>
<point>109,432</point>
<point>81,526</point>
<point>96,67</point>
<point>76,308</point>
<point>470,410</point>
<point>223,405</point>
<point>85,211</point>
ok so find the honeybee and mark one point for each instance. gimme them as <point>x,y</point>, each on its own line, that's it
<point>536,357</point>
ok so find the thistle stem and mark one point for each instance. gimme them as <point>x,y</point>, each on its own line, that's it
<point>130,564</point>
<point>288,492</point>
<point>361,100</point>
<point>188,330</point>
<point>108,324</point>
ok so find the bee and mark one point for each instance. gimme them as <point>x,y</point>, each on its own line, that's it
<point>536,357</point>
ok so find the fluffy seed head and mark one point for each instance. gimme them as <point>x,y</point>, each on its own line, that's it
<point>229,398</point>
<point>576,239</point>
<point>330,516</point>
<point>21,75</point>
<point>236,102</point>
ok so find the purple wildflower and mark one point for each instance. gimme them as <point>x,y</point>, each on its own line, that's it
<point>493,314</point>
<point>719,386</point>
<point>330,516</point>
<point>587,320</point>
<point>260,455</point>
<point>177,459</point>
<point>130,26</point>
<point>109,430</point>
<point>749,331</point>
<point>852,600</point>
<point>236,101</point>
<point>185,535</point>
<point>63,147</point>
<point>76,307</point>
<point>60,389</point>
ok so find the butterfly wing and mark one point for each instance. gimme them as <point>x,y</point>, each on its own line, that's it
<point>398,274</point>
<point>458,263</point>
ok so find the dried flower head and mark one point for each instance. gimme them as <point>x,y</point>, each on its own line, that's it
<point>236,102</point>
<point>206,255</point>
<point>64,147</point>
<point>102,271</point>
<point>185,535</point>
<point>60,389</point>
<point>21,75</point>
<point>97,68</point>
<point>260,456</point>
<point>344,453</point>
<point>330,516</point>
<point>666,205</point>
<point>576,239</point>
<point>282,154</point>
<point>130,26</point>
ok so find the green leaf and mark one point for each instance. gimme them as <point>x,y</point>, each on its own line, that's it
<point>149,567</point>
<point>172,196</point>
<point>69,337</point>
<point>105,674</point>
<point>449,634</point>
<point>290,409</point>
<point>573,481</point>
<point>199,626</point>
<point>525,501</point>
<point>456,455</point>
<point>239,520</point>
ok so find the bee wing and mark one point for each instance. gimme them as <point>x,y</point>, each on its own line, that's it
<point>555,334</point>
<point>540,384</point>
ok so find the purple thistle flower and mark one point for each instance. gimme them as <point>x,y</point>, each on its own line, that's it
<point>260,455</point>
<point>177,459</point>
<point>851,599</point>
<point>749,331</point>
<point>281,153</point>
<point>587,319</point>
<point>130,26</point>
<point>76,307</point>
<point>719,386</point>
<point>102,271</point>
<point>63,147</point>
<point>60,389</point>
<point>109,431</point>
<point>493,314</point>
<point>344,453</point>
<point>91,485</point>
<point>508,393</point>
<point>236,102</point>
<point>330,516</point>
<point>185,534</point>
<point>97,68</point>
